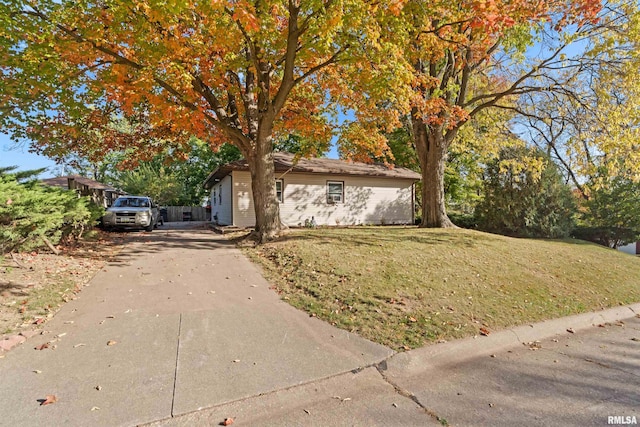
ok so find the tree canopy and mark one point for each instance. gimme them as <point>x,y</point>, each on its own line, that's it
<point>251,73</point>
<point>223,71</point>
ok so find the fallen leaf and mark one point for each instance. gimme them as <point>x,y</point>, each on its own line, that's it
<point>111,342</point>
<point>79,345</point>
<point>534,345</point>
<point>49,399</point>
<point>227,422</point>
<point>236,361</point>
<point>484,331</point>
<point>95,408</point>
<point>39,320</point>
<point>37,371</point>
<point>98,387</point>
<point>307,411</point>
<point>42,346</point>
<point>635,339</point>
<point>571,331</point>
<point>413,319</point>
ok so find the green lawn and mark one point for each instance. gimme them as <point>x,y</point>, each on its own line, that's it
<point>406,287</point>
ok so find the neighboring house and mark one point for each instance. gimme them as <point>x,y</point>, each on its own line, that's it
<point>103,195</point>
<point>329,191</point>
<point>632,248</point>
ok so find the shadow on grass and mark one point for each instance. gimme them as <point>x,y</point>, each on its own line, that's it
<point>375,236</point>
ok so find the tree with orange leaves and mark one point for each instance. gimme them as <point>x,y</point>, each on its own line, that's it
<point>472,55</point>
<point>233,71</point>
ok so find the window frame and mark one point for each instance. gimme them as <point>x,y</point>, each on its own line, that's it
<point>281,197</point>
<point>330,195</point>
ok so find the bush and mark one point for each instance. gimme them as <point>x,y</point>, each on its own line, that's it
<point>525,196</point>
<point>612,236</point>
<point>32,214</point>
<point>464,220</point>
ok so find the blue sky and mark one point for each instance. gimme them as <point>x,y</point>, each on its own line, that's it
<point>12,154</point>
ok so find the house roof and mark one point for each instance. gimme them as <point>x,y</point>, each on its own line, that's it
<point>285,162</point>
<point>63,182</point>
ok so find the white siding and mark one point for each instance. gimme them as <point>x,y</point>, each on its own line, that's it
<point>367,200</point>
<point>243,212</point>
<point>221,206</point>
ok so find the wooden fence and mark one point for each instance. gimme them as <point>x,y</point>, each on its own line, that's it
<point>187,213</point>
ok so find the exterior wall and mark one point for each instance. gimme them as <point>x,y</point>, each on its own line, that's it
<point>221,196</point>
<point>367,200</point>
<point>632,248</point>
<point>243,212</point>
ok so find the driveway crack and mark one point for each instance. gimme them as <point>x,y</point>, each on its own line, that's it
<point>382,367</point>
<point>175,371</point>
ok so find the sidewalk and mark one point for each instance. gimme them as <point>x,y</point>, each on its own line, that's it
<point>538,375</point>
<point>182,330</point>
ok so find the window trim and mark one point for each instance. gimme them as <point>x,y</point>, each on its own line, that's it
<point>281,198</point>
<point>330,200</point>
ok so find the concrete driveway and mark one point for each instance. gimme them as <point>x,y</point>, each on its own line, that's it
<point>181,320</point>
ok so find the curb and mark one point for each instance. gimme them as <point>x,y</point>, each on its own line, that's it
<point>459,351</point>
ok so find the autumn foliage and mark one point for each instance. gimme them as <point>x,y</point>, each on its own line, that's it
<point>249,72</point>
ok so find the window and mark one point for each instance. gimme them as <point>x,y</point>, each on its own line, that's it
<point>335,192</point>
<point>220,195</point>
<point>215,198</point>
<point>280,190</point>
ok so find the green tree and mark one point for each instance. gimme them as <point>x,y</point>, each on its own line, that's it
<point>525,195</point>
<point>168,179</point>
<point>611,214</point>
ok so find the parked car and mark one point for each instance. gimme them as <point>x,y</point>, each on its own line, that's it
<point>132,212</point>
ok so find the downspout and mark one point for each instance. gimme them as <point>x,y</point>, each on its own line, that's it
<point>413,203</point>
<point>232,194</point>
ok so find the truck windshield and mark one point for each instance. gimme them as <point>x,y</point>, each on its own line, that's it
<point>131,202</point>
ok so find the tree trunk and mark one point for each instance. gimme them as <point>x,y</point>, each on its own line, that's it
<point>432,149</point>
<point>265,202</point>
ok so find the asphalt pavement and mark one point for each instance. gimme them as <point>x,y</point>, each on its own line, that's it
<point>181,329</point>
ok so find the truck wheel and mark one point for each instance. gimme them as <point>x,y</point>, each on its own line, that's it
<point>149,227</point>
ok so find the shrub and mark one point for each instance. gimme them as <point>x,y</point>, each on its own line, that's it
<point>32,214</point>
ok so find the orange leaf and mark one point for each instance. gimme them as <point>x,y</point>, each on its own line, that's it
<point>227,422</point>
<point>49,399</point>
<point>484,331</point>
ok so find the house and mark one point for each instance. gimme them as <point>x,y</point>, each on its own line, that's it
<point>632,248</point>
<point>102,195</point>
<point>328,191</point>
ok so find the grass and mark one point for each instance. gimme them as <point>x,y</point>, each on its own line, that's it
<point>406,287</point>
